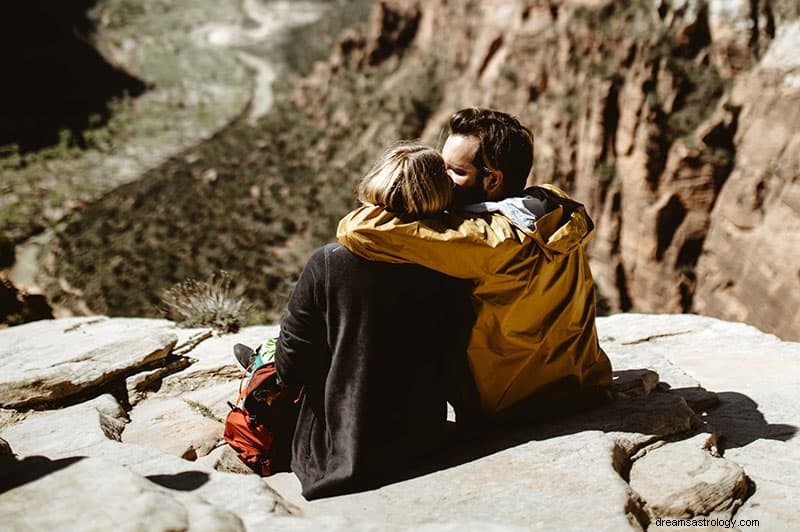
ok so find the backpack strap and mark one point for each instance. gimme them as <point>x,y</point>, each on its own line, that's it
<point>259,376</point>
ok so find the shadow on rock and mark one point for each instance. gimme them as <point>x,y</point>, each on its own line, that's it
<point>641,405</point>
<point>738,422</point>
<point>20,472</point>
<point>183,481</point>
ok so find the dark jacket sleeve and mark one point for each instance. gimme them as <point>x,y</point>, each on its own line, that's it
<point>302,347</point>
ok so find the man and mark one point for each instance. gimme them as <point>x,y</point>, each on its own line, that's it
<point>534,343</point>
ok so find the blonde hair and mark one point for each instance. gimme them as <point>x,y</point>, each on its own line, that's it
<point>409,180</point>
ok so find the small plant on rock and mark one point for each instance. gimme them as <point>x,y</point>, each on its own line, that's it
<point>215,303</point>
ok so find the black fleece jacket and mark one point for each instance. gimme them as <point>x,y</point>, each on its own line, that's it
<point>380,348</point>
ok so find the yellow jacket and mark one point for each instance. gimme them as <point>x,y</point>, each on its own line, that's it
<point>534,293</point>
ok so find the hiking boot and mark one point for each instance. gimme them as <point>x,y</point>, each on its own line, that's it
<point>244,356</point>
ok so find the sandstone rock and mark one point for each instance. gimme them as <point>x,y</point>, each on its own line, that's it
<point>174,426</point>
<point>748,270</point>
<point>730,24</point>
<point>185,415</point>
<point>782,53</point>
<point>531,486</point>
<point>213,400</point>
<point>248,496</point>
<point>9,416</point>
<point>771,465</point>
<point>540,465</point>
<point>214,360</point>
<point>62,436</point>
<point>681,480</point>
<point>640,430</point>
<point>69,431</point>
<point>141,383</point>
<point>756,377</point>
<point>50,361</point>
<point>189,338</point>
<point>394,24</point>
<point>568,473</point>
<point>224,458</point>
<point>634,383</point>
<point>631,423</point>
<point>109,497</point>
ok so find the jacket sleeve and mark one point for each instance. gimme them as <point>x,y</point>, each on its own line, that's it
<point>302,348</point>
<point>463,247</point>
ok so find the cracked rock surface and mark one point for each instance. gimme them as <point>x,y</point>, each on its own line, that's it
<point>684,479</point>
<point>703,424</point>
<point>43,362</point>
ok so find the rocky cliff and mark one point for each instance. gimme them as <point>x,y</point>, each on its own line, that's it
<point>108,421</point>
<point>674,121</point>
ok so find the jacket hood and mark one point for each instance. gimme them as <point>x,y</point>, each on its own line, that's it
<point>547,214</point>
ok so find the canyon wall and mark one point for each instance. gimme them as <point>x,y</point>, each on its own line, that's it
<point>675,122</point>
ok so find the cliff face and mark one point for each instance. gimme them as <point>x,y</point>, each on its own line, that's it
<point>673,121</point>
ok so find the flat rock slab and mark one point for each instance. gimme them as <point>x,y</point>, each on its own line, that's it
<point>49,441</point>
<point>556,475</point>
<point>110,497</point>
<point>69,431</point>
<point>774,467</point>
<point>174,426</point>
<point>214,399</point>
<point>49,361</point>
<point>565,483</point>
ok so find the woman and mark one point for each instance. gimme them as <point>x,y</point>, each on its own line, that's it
<point>379,347</point>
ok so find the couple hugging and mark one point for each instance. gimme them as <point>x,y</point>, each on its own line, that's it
<point>452,283</point>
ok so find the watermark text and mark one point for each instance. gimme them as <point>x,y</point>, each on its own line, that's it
<point>707,521</point>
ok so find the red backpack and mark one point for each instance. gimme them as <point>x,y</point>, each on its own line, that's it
<point>261,430</point>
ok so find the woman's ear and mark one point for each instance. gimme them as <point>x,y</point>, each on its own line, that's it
<point>493,184</point>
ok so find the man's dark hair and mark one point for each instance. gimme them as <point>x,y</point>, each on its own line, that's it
<point>505,144</point>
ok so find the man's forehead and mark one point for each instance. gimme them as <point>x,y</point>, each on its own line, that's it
<point>461,146</point>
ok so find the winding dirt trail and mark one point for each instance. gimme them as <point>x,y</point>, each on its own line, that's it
<point>272,19</point>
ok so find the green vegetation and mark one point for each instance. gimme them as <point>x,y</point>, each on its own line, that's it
<point>203,410</point>
<point>194,90</point>
<point>703,88</point>
<point>340,14</point>
<point>254,200</point>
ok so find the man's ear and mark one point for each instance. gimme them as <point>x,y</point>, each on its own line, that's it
<point>493,184</point>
